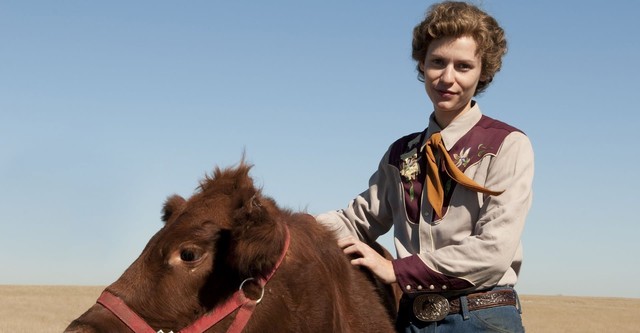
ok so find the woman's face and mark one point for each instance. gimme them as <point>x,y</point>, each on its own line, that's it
<point>451,73</point>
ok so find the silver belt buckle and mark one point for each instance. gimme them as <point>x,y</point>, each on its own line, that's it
<point>430,307</point>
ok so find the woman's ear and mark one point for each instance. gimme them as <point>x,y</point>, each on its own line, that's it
<point>421,67</point>
<point>484,81</point>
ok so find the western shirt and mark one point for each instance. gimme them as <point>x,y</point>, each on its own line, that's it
<point>476,244</point>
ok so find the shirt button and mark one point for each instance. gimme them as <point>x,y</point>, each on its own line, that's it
<point>408,287</point>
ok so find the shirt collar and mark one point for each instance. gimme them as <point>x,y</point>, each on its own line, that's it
<point>456,129</point>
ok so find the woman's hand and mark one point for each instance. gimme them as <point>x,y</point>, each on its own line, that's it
<point>369,258</point>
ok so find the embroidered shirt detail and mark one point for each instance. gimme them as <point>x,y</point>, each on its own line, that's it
<point>410,170</point>
<point>462,159</point>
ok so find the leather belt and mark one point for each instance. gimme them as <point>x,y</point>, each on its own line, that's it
<point>434,307</point>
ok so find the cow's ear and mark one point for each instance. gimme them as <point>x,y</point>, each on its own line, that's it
<point>253,209</point>
<point>256,239</point>
<point>174,204</point>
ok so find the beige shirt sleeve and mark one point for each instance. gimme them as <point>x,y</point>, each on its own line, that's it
<point>369,214</point>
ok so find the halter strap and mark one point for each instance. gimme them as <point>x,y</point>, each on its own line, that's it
<point>117,306</point>
<point>238,301</point>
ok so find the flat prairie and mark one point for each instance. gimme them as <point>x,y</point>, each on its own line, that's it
<point>51,308</point>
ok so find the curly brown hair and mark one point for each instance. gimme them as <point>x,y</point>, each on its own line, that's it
<point>457,19</point>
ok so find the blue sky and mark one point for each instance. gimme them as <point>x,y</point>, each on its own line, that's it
<point>107,108</point>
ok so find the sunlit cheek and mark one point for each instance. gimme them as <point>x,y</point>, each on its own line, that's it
<point>432,75</point>
<point>472,84</point>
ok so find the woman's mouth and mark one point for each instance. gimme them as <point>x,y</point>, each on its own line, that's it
<point>445,93</point>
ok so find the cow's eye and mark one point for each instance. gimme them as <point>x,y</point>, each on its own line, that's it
<point>189,255</point>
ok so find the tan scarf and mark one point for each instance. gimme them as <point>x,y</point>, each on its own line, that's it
<point>435,192</point>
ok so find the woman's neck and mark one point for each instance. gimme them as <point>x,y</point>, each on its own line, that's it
<point>444,118</point>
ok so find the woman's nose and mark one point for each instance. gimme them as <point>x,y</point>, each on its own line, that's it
<point>447,74</point>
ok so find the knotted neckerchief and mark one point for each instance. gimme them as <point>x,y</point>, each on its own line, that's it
<point>435,192</point>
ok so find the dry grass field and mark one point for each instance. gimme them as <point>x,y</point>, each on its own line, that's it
<point>50,309</point>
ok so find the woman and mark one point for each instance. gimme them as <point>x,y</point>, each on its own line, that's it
<point>457,193</point>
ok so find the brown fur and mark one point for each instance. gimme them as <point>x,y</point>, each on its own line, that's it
<point>232,232</point>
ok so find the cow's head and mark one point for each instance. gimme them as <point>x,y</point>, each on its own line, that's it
<point>226,232</point>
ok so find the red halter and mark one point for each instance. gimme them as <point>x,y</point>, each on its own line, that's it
<point>238,301</point>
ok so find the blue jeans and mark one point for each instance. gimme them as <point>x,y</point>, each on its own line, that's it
<point>497,319</point>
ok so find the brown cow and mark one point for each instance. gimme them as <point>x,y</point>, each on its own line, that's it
<point>230,250</point>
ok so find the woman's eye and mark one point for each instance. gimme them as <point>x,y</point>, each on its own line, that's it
<point>437,62</point>
<point>188,255</point>
<point>464,67</point>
